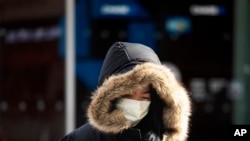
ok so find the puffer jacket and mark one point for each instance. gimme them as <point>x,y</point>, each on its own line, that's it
<point>127,67</point>
<point>89,133</point>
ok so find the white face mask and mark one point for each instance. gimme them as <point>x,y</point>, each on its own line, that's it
<point>134,110</point>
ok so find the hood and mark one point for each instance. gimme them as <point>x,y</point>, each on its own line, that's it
<point>123,56</point>
<point>104,117</point>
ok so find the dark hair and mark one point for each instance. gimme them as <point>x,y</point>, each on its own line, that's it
<point>153,121</point>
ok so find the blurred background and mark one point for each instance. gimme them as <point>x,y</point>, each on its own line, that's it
<point>206,43</point>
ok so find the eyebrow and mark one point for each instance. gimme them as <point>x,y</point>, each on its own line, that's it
<point>147,91</point>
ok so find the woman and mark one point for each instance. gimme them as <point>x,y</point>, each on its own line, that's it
<point>137,99</point>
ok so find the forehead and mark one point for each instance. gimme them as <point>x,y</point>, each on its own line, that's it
<point>144,88</point>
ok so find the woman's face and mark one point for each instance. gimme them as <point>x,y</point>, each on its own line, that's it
<point>140,94</point>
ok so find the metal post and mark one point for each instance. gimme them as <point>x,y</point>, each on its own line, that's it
<point>70,66</point>
<point>241,114</point>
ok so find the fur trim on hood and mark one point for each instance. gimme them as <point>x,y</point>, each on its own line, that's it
<point>175,116</point>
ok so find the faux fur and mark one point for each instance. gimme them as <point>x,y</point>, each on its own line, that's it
<point>175,117</point>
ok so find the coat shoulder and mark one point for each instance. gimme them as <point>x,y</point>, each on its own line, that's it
<point>84,132</point>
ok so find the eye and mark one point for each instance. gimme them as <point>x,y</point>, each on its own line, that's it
<point>146,96</point>
<point>127,96</point>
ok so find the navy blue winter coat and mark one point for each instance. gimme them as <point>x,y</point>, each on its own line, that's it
<point>126,67</point>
